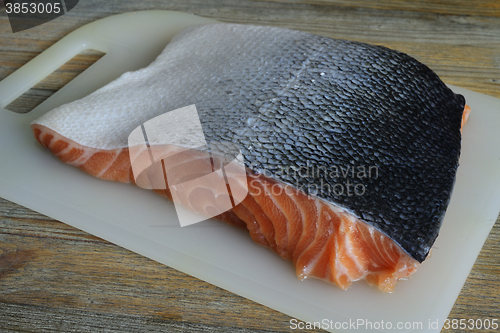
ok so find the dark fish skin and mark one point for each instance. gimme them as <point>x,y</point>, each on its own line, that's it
<point>291,99</point>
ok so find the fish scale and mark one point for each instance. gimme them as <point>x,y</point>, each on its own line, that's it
<point>291,99</point>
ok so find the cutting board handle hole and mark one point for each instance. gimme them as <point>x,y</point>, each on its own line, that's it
<point>55,81</point>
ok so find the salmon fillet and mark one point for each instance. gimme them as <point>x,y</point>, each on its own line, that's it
<point>321,240</point>
<point>288,98</point>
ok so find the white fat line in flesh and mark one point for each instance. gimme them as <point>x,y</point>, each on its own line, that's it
<point>348,241</point>
<point>271,196</point>
<point>313,262</point>
<point>87,152</point>
<point>391,247</point>
<point>380,252</point>
<point>369,242</point>
<point>335,208</point>
<point>318,209</point>
<point>340,268</point>
<point>82,159</point>
<point>302,218</point>
<point>110,164</point>
<point>388,255</point>
<point>253,221</point>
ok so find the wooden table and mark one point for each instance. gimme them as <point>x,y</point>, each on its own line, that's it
<point>56,278</point>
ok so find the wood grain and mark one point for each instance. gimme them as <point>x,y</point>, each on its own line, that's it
<point>52,83</point>
<point>56,278</point>
<point>482,8</point>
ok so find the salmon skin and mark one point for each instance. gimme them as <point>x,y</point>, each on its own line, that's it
<point>367,139</point>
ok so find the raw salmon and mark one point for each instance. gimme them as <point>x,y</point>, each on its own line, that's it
<point>307,111</point>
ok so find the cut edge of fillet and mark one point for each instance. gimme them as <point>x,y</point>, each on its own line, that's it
<point>323,241</point>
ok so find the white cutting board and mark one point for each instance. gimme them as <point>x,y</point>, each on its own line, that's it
<point>212,251</point>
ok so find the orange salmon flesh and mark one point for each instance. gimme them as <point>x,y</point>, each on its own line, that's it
<point>321,240</point>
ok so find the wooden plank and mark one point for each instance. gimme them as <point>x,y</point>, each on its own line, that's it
<point>50,267</point>
<point>55,277</point>
<point>462,50</point>
<point>47,263</point>
<point>460,7</point>
<point>41,319</point>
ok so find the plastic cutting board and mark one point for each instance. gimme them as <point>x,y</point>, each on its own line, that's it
<point>144,222</point>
